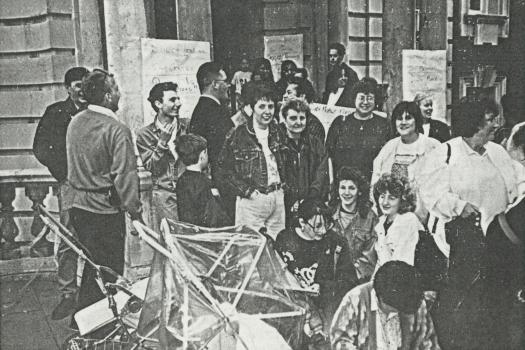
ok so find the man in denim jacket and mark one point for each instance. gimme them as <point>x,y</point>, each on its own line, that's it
<point>251,166</point>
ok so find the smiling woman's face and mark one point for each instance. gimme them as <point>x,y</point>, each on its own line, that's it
<point>348,192</point>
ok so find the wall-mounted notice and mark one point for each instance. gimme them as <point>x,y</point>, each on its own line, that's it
<point>173,60</point>
<point>426,71</point>
<point>279,48</point>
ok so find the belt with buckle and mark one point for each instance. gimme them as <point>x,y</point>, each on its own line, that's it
<point>271,188</point>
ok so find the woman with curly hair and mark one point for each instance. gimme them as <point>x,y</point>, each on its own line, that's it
<point>398,227</point>
<point>355,220</point>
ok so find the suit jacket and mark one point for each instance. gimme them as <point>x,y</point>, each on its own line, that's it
<point>439,130</point>
<point>212,121</point>
<point>49,144</point>
<point>346,99</point>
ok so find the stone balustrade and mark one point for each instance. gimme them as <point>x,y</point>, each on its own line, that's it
<point>21,191</point>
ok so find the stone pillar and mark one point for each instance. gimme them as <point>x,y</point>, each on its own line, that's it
<point>125,24</point>
<point>337,22</point>
<point>398,34</point>
<point>88,33</point>
<point>433,33</point>
<point>320,31</point>
<point>194,20</point>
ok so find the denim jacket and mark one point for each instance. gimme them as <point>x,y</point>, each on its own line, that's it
<point>242,166</point>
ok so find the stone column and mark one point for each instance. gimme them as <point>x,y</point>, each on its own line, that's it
<point>125,24</point>
<point>433,34</point>
<point>337,22</point>
<point>398,34</point>
<point>194,20</point>
<point>88,33</point>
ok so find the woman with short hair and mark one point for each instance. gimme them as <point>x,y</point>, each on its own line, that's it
<point>356,139</point>
<point>465,183</point>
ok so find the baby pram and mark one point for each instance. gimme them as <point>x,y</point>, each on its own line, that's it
<point>111,322</point>
<point>218,289</point>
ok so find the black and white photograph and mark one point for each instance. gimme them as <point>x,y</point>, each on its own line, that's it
<point>262,174</point>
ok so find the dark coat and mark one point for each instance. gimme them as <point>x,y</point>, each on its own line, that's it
<point>49,144</point>
<point>306,169</point>
<point>314,127</point>
<point>439,130</point>
<point>242,166</point>
<point>346,99</point>
<point>505,267</point>
<point>212,121</point>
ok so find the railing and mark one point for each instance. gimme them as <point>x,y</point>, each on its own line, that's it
<point>17,236</point>
<point>26,245</point>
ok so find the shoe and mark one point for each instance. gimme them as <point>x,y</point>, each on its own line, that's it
<point>65,308</point>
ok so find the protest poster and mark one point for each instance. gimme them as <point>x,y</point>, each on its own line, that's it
<point>173,60</point>
<point>278,48</point>
<point>426,71</point>
<point>326,114</point>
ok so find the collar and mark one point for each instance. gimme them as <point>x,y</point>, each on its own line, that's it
<point>212,97</point>
<point>374,305</point>
<point>103,110</point>
<point>470,151</point>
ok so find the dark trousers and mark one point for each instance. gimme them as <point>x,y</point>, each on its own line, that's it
<point>461,315</point>
<point>103,235</point>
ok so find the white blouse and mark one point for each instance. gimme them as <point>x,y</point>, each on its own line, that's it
<point>399,243</point>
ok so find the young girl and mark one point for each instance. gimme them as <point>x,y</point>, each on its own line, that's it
<point>398,227</point>
<point>355,220</point>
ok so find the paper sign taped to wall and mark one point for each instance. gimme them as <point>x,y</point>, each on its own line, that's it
<point>176,61</point>
<point>426,71</point>
<point>279,48</point>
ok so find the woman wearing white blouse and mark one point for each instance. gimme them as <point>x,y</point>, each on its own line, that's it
<point>398,227</point>
<point>402,155</point>
<point>466,182</point>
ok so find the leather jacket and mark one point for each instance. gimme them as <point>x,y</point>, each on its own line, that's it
<point>242,166</point>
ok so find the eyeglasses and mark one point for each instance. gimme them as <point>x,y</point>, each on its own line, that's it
<point>325,224</point>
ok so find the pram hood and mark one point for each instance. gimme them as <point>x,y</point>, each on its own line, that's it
<point>209,286</point>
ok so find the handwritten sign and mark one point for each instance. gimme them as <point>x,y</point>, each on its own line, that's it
<point>426,71</point>
<point>279,48</point>
<point>327,114</point>
<point>176,61</point>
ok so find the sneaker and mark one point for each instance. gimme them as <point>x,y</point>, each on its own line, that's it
<point>65,308</point>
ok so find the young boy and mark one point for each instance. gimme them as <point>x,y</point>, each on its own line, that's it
<point>193,189</point>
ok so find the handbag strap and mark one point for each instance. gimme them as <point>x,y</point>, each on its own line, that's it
<point>508,231</point>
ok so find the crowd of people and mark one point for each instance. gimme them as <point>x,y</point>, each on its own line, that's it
<point>353,212</point>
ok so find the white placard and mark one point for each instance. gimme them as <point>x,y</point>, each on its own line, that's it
<point>173,60</point>
<point>327,114</point>
<point>279,48</point>
<point>426,71</point>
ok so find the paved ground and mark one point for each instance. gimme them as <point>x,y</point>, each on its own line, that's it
<point>25,314</point>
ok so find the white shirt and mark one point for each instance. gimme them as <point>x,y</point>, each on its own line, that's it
<point>487,181</point>
<point>426,129</point>
<point>271,162</point>
<point>103,110</point>
<point>399,243</point>
<point>334,97</point>
<point>388,326</point>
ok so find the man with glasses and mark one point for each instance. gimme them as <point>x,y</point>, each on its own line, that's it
<point>318,257</point>
<point>211,118</point>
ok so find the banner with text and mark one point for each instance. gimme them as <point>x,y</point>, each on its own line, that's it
<point>426,71</point>
<point>327,114</point>
<point>279,48</point>
<point>176,61</point>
